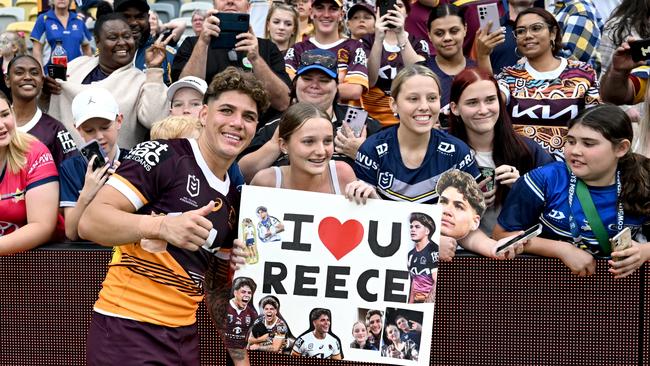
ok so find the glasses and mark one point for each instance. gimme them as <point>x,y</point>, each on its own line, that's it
<point>535,29</point>
<point>309,59</point>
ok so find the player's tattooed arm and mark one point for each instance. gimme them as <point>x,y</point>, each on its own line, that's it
<point>217,292</point>
<point>238,355</point>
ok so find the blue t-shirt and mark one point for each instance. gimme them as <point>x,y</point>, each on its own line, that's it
<point>379,163</point>
<point>49,28</point>
<point>542,196</point>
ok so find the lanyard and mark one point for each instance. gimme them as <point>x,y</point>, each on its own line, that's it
<point>591,214</point>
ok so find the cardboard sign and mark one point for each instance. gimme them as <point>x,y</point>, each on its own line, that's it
<point>333,279</point>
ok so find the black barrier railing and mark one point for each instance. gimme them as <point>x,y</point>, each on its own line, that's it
<point>528,311</point>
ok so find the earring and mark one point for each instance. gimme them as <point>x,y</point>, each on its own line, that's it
<point>519,55</point>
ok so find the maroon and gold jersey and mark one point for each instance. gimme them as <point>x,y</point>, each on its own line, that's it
<point>238,323</point>
<point>352,59</point>
<point>377,100</point>
<point>167,177</point>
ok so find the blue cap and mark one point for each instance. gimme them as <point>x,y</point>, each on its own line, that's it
<point>318,59</point>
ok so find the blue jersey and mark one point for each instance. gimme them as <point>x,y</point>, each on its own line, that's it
<point>379,163</point>
<point>543,196</point>
<point>49,29</point>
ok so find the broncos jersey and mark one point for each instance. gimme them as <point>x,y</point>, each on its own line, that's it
<point>166,177</point>
<point>379,163</point>
<point>421,266</point>
<point>542,196</point>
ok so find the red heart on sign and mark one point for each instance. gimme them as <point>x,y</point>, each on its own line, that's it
<point>340,239</point>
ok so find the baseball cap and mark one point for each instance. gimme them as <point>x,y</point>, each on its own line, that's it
<point>318,59</point>
<point>361,5</point>
<point>193,82</point>
<point>94,103</point>
<point>121,5</point>
<point>337,2</point>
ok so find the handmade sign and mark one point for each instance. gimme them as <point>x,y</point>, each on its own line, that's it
<point>328,278</point>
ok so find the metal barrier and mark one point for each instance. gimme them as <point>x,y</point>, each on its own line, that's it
<point>528,311</point>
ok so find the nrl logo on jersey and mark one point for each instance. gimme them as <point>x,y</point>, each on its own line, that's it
<point>193,185</point>
<point>385,180</point>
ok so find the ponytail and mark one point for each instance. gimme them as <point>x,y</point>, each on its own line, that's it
<point>635,178</point>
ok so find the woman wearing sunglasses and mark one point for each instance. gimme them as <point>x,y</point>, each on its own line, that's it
<point>546,91</point>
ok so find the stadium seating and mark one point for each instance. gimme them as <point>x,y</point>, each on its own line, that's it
<point>10,15</point>
<point>188,8</point>
<point>27,6</point>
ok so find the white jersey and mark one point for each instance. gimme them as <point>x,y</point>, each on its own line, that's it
<point>310,346</point>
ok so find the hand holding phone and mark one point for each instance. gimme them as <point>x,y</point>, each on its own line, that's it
<point>57,71</point>
<point>640,50</point>
<point>90,149</point>
<point>489,13</point>
<point>384,7</point>
<point>231,25</point>
<point>621,241</point>
<point>525,236</point>
<point>356,119</point>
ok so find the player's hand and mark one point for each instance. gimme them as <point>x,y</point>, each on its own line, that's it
<point>631,259</point>
<point>506,174</point>
<point>93,181</point>
<point>238,255</point>
<point>347,143</point>
<point>579,261</point>
<point>359,192</point>
<point>189,230</point>
<point>247,42</point>
<point>511,252</point>
<point>210,27</point>
<point>447,248</point>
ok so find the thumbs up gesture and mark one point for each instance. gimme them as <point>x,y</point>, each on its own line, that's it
<point>189,230</point>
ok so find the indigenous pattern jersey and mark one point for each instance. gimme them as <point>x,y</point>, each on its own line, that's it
<point>380,164</point>
<point>541,104</point>
<point>352,60</point>
<point>542,196</point>
<point>39,169</point>
<point>310,346</point>
<point>166,177</point>
<point>421,266</point>
<point>376,101</point>
<point>277,330</point>
<point>53,134</point>
<point>238,323</point>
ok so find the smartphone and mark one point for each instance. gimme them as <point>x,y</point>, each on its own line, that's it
<point>57,71</point>
<point>487,13</point>
<point>93,148</point>
<point>488,175</point>
<point>640,50</point>
<point>526,235</point>
<point>231,24</point>
<point>621,241</point>
<point>356,119</point>
<point>384,6</point>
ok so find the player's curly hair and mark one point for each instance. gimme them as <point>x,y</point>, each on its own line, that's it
<point>236,80</point>
<point>425,220</point>
<point>466,185</point>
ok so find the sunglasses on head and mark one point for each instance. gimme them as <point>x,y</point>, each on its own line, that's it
<point>309,59</point>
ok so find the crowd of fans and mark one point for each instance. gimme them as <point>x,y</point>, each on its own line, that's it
<point>333,97</point>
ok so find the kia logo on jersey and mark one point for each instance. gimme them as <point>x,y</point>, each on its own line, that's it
<point>193,185</point>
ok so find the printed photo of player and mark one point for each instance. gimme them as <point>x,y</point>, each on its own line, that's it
<point>240,315</point>
<point>270,331</point>
<point>462,204</point>
<point>269,227</point>
<point>248,233</point>
<point>319,341</point>
<point>422,259</point>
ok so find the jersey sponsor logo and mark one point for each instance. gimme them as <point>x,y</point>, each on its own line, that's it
<point>360,57</point>
<point>366,161</point>
<point>193,185</point>
<point>385,180</point>
<point>467,160</point>
<point>446,148</point>
<point>544,112</point>
<point>149,154</point>
<point>382,149</point>
<point>66,141</point>
<point>42,160</point>
<point>557,215</point>
<point>299,342</point>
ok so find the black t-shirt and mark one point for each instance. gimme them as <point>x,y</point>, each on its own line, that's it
<point>265,134</point>
<point>218,60</point>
